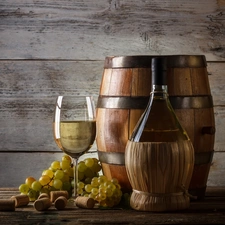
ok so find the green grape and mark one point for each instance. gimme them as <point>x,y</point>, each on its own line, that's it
<point>65,178</point>
<point>81,166</point>
<point>96,167</point>
<point>107,183</point>
<point>69,171</point>
<point>97,198</point>
<point>111,186</point>
<point>103,203</point>
<point>94,191</point>
<point>89,162</point>
<point>45,180</point>
<point>102,179</point>
<point>118,186</point>
<point>57,184</point>
<point>96,161</point>
<point>66,186</point>
<point>80,175</point>
<point>36,186</point>
<point>59,174</point>
<point>51,188</point>
<point>48,173</point>
<point>24,188</point>
<point>80,191</point>
<point>29,181</point>
<point>91,196</point>
<point>102,196</point>
<point>109,192</point>
<point>55,165</point>
<point>88,188</point>
<point>45,190</point>
<point>65,165</point>
<point>89,173</point>
<point>94,182</point>
<point>32,194</point>
<point>67,158</point>
<point>102,190</point>
<point>80,185</point>
<point>87,180</point>
<point>117,193</point>
<point>114,181</point>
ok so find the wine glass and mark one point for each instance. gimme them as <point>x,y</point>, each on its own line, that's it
<point>74,127</point>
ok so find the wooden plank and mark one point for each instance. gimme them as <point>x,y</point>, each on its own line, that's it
<point>216,173</point>
<point>209,211</point>
<point>28,90</point>
<point>217,82</point>
<point>94,29</point>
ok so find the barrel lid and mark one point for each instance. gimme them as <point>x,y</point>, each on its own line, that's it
<point>144,61</point>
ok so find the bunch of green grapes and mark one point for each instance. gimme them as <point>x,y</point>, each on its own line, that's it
<point>60,176</point>
<point>106,192</point>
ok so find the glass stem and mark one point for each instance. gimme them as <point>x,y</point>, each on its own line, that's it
<point>75,163</point>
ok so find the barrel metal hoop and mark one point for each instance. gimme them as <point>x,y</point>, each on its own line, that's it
<point>125,102</point>
<point>144,61</point>
<point>177,102</point>
<point>191,102</point>
<point>114,158</point>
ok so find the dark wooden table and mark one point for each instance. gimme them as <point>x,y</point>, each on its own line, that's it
<point>211,210</point>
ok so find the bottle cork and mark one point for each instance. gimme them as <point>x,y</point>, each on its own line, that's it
<point>20,200</point>
<point>85,202</point>
<point>55,194</point>
<point>42,204</point>
<point>60,202</point>
<point>43,195</point>
<point>7,205</point>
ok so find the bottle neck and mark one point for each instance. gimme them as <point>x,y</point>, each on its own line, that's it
<point>159,91</point>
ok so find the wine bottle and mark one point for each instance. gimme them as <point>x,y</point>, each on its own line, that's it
<point>159,155</point>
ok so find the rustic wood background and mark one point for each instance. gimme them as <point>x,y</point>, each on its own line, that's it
<point>56,47</point>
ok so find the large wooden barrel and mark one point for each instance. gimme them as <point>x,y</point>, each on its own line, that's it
<point>190,96</point>
<point>123,96</point>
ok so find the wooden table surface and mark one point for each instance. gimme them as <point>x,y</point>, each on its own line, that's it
<point>211,210</point>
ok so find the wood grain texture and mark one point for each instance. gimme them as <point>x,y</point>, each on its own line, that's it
<point>95,29</point>
<point>58,47</point>
<point>15,167</point>
<point>209,211</point>
<point>28,90</point>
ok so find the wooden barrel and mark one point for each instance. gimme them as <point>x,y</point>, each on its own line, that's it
<point>190,96</point>
<point>123,96</point>
<point>124,93</point>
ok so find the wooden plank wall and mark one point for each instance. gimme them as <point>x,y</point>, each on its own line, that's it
<point>57,47</point>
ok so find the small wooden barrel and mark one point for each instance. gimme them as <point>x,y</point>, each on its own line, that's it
<point>124,93</point>
<point>190,96</point>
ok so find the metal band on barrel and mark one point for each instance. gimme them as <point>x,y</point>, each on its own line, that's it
<point>144,61</point>
<point>118,158</point>
<point>114,158</point>
<point>112,102</point>
<point>177,102</point>
<point>191,102</point>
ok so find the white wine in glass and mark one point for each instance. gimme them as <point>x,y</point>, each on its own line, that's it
<point>74,127</point>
